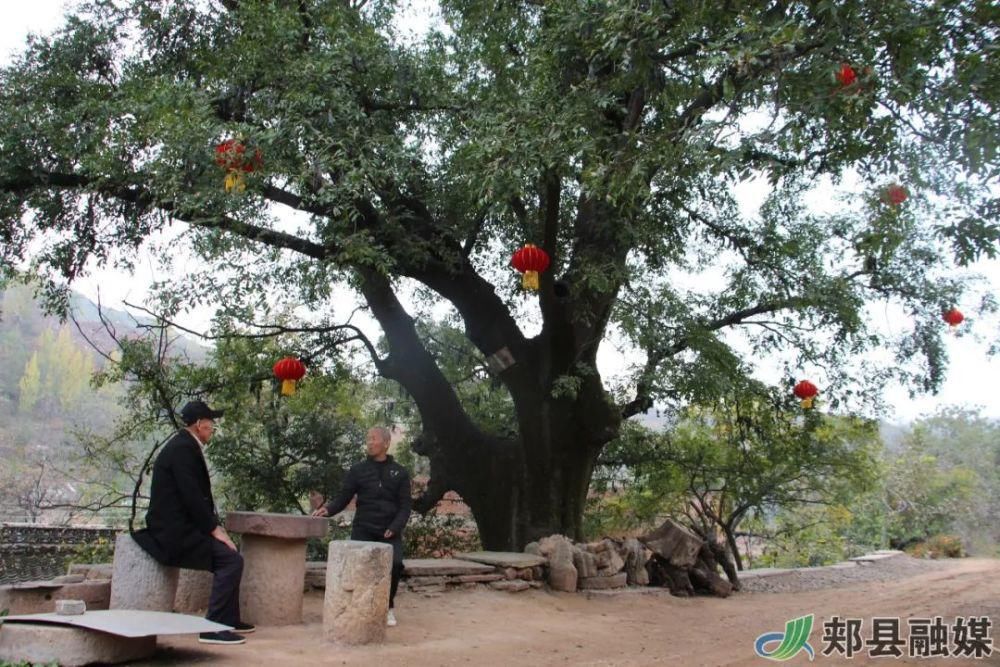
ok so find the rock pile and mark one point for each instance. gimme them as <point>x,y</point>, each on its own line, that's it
<point>598,565</point>
<point>502,571</point>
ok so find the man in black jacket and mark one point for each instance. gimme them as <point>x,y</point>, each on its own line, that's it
<point>182,527</point>
<point>383,508</point>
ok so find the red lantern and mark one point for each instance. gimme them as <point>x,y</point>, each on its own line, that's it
<point>231,155</point>
<point>289,370</point>
<point>530,260</point>
<point>846,75</point>
<point>895,194</point>
<point>805,391</point>
<point>953,317</point>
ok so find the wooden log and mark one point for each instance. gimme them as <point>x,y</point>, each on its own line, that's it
<point>674,543</point>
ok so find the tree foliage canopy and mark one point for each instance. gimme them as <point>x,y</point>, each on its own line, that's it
<point>612,134</point>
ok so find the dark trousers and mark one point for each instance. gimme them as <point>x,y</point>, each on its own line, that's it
<point>224,603</point>
<point>370,535</point>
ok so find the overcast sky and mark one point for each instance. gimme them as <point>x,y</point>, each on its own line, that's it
<point>970,378</point>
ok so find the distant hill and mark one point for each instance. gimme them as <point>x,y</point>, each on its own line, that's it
<point>46,395</point>
<point>46,364</point>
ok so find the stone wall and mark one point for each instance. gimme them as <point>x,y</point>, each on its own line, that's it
<point>30,552</point>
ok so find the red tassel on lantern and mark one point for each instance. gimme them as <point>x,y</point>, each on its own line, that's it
<point>846,75</point>
<point>953,317</point>
<point>289,370</point>
<point>530,260</point>
<point>805,391</point>
<point>231,156</point>
<point>895,194</point>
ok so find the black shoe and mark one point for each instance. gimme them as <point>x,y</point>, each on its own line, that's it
<point>244,628</point>
<point>224,637</point>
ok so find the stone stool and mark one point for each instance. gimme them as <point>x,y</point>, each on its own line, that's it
<point>194,588</point>
<point>138,581</point>
<point>357,592</point>
<point>274,563</point>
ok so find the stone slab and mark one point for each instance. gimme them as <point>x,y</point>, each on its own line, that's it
<point>268,524</point>
<point>504,558</point>
<point>426,567</point>
<point>594,583</point>
<point>92,570</point>
<point>70,607</point>
<point>514,586</point>
<point>764,572</point>
<point>38,643</point>
<point>478,578</point>
<point>41,597</point>
<point>873,557</point>
<point>125,622</point>
<point>429,581</point>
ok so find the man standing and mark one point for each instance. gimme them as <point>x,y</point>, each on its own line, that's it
<point>383,490</point>
<point>182,527</point>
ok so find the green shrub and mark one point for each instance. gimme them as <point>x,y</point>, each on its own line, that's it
<point>101,550</point>
<point>939,546</point>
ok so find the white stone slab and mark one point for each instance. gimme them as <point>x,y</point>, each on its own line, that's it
<point>871,558</point>
<point>128,622</point>
<point>504,558</point>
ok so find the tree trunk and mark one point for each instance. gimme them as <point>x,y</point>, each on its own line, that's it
<point>731,541</point>
<point>521,499</point>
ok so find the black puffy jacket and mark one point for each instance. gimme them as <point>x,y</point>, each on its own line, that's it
<point>383,491</point>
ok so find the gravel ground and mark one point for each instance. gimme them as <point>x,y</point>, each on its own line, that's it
<point>814,578</point>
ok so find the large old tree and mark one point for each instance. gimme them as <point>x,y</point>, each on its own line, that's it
<point>612,133</point>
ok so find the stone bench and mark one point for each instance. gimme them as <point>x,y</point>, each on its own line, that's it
<point>138,581</point>
<point>68,646</point>
<point>38,597</point>
<point>358,575</point>
<point>274,563</point>
<point>105,637</point>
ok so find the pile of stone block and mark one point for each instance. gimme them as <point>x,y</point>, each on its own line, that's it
<point>503,571</point>
<point>601,565</point>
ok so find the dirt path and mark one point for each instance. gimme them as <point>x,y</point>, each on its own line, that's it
<point>542,628</point>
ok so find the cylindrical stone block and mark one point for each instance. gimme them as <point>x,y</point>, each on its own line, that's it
<point>357,592</point>
<point>274,571</point>
<point>194,587</point>
<point>39,643</point>
<point>138,581</point>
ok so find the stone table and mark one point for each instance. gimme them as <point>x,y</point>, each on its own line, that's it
<point>274,570</point>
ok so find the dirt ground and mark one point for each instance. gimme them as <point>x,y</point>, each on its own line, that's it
<point>485,627</point>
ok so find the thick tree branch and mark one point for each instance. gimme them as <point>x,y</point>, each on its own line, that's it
<point>643,399</point>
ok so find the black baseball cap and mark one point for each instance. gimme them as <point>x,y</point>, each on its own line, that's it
<point>195,410</point>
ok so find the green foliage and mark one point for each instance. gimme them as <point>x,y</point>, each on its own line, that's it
<point>317,548</point>
<point>272,449</point>
<point>752,455</point>
<point>939,546</point>
<point>804,536</point>
<point>101,550</point>
<point>614,134</point>
<point>935,483</point>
